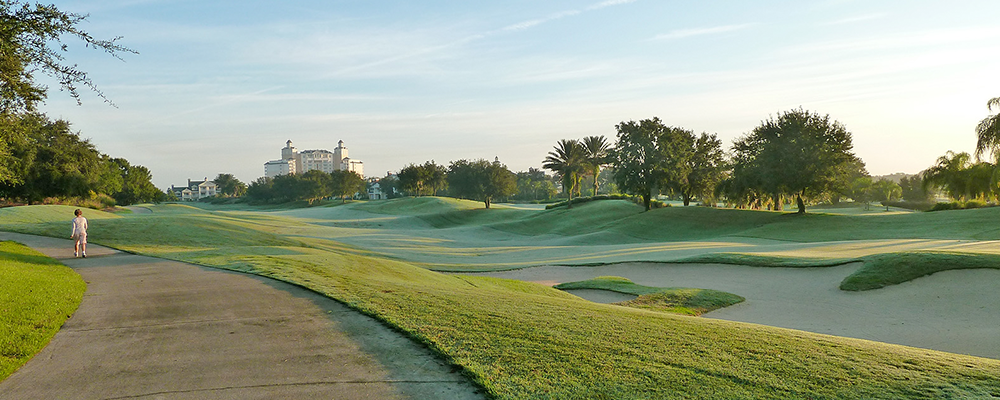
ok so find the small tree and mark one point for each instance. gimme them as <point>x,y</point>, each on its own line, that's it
<point>345,183</point>
<point>861,191</point>
<point>886,191</point>
<point>228,185</point>
<point>481,180</point>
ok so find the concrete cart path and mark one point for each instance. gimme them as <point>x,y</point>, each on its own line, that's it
<point>154,329</point>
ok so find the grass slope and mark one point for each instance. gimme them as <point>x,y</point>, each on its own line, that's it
<point>883,270</point>
<point>684,301</point>
<point>525,341</point>
<point>37,294</point>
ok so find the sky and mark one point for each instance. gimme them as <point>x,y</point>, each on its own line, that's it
<point>219,86</point>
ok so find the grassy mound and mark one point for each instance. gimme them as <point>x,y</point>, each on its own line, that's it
<point>48,213</point>
<point>417,205</point>
<point>685,301</point>
<point>883,270</point>
<point>526,341</point>
<point>37,294</point>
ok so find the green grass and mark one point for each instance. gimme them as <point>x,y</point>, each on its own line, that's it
<point>883,270</point>
<point>37,294</point>
<point>525,341</point>
<point>684,301</point>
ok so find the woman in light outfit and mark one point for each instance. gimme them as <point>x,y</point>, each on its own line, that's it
<point>79,235</point>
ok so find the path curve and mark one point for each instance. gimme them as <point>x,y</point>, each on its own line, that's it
<point>151,328</point>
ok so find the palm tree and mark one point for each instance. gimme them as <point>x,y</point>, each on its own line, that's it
<point>568,159</point>
<point>596,148</point>
<point>988,131</point>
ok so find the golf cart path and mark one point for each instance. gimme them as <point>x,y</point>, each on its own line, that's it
<point>151,328</point>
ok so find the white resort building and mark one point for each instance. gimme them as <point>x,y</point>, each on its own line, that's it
<point>195,190</point>
<point>294,161</point>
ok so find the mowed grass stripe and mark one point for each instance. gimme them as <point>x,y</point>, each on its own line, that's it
<point>37,295</point>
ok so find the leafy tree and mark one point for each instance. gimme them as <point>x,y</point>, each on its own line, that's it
<point>286,188</point>
<point>428,178</point>
<point>704,169</point>
<point>862,190</point>
<point>798,153</point>
<point>481,180</point>
<point>137,185</point>
<point>913,189</point>
<point>886,191</point>
<point>52,161</point>
<point>261,190</point>
<point>638,158</point>
<point>597,150</point>
<point>842,183</point>
<point>534,184</point>
<point>988,131</point>
<point>228,185</point>
<point>31,38</point>
<point>412,178</point>
<point>569,161</point>
<point>345,183</point>
<point>949,174</point>
<point>390,186</point>
<point>314,185</point>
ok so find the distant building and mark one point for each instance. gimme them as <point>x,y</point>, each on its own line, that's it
<point>195,190</point>
<point>294,161</point>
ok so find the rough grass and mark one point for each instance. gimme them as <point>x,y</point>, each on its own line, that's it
<point>37,294</point>
<point>684,301</point>
<point>526,341</point>
<point>883,270</point>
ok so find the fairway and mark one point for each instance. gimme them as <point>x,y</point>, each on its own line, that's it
<point>521,340</point>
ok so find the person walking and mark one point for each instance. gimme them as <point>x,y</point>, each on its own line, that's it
<point>79,235</point>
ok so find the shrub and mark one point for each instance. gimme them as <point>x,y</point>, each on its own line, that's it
<point>959,205</point>
<point>910,205</point>
<point>635,199</point>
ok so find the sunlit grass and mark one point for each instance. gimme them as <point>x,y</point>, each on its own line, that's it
<point>37,294</point>
<point>526,341</point>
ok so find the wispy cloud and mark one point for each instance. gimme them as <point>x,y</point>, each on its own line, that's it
<point>685,33</point>
<point>607,3</point>
<point>516,27</point>
<point>857,18</point>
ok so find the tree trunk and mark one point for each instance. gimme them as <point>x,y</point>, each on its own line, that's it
<point>487,201</point>
<point>646,201</point>
<point>800,203</point>
<point>597,171</point>
<point>687,199</point>
<point>777,204</point>
<point>569,193</point>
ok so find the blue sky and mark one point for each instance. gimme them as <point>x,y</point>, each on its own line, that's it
<point>219,86</point>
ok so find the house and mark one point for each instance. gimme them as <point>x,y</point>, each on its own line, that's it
<point>195,190</point>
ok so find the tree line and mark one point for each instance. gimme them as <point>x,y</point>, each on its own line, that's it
<point>798,156</point>
<point>42,159</point>
<point>310,186</point>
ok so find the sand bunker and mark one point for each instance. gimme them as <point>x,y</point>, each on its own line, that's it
<point>953,311</point>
